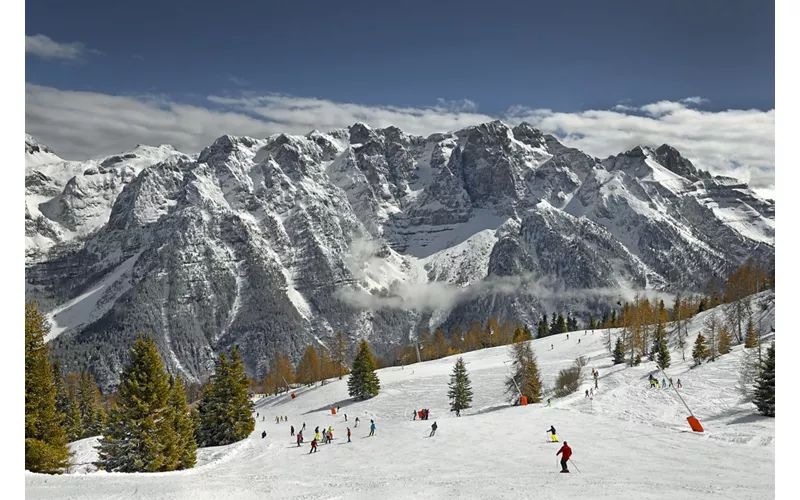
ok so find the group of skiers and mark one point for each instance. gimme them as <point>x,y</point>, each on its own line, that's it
<point>327,435</point>
<point>423,414</point>
<point>654,383</point>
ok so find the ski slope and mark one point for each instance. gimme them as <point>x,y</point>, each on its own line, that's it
<point>629,441</point>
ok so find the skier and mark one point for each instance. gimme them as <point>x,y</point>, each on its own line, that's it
<point>324,436</point>
<point>548,402</point>
<point>372,428</point>
<point>292,430</point>
<point>313,447</point>
<point>299,438</point>
<point>262,418</point>
<point>679,384</point>
<point>316,430</point>
<point>356,422</point>
<point>316,436</point>
<point>591,392</point>
<point>433,429</point>
<point>414,415</point>
<point>285,419</point>
<point>568,336</point>
<point>670,381</point>
<point>551,347</point>
<point>277,420</point>
<point>587,394</point>
<point>567,452</point>
<point>553,437</point>
<point>348,434</point>
<point>330,433</point>
<point>304,427</point>
<point>256,414</point>
<point>263,434</point>
<point>345,417</point>
<point>663,383</point>
<point>579,341</point>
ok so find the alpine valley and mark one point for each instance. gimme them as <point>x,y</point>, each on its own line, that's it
<point>273,244</point>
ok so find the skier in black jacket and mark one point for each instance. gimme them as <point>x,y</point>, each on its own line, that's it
<point>433,429</point>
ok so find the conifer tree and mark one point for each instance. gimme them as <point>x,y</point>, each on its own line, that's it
<point>67,405</point>
<point>45,440</point>
<point>519,335</point>
<point>226,412</point>
<point>525,374</point>
<point>183,453</point>
<point>765,385</point>
<point>700,352</point>
<point>619,352</point>
<point>592,323</point>
<point>138,432</point>
<point>562,324</point>
<point>363,382</point>
<point>90,403</point>
<point>554,325</point>
<point>543,329</point>
<point>724,341</point>
<point>460,392</point>
<point>751,340</point>
<point>662,355</point>
<point>308,370</point>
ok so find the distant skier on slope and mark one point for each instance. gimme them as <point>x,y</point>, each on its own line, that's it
<point>292,431</point>
<point>414,415</point>
<point>299,438</point>
<point>553,437</point>
<point>433,429</point>
<point>348,434</point>
<point>664,383</point>
<point>356,422</point>
<point>565,453</point>
<point>372,428</point>
<point>587,394</point>
<point>263,434</point>
<point>330,433</point>
<point>313,447</point>
<point>679,384</point>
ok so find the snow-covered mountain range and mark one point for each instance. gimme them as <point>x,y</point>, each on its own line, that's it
<point>276,243</point>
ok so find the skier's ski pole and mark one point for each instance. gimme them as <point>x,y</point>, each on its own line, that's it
<point>573,463</point>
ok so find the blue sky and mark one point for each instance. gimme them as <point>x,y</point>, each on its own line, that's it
<point>466,59</point>
<point>566,55</point>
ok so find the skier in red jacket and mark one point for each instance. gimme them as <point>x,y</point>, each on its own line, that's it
<point>565,453</point>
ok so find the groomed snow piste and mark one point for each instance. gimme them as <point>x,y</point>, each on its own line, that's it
<point>629,441</point>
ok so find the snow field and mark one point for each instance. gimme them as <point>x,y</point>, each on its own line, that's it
<point>630,441</point>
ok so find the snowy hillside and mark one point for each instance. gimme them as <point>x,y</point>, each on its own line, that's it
<point>629,441</point>
<point>277,243</point>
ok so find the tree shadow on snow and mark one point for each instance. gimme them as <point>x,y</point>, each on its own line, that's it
<point>748,419</point>
<point>339,404</point>
<point>489,409</point>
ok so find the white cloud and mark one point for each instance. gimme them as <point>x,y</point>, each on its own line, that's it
<point>46,48</point>
<point>695,100</point>
<point>739,143</point>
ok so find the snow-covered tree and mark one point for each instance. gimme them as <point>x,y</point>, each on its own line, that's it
<point>460,392</point>
<point>619,352</point>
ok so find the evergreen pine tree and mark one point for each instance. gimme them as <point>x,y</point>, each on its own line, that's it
<point>543,329</point>
<point>554,325</point>
<point>66,405</point>
<point>363,382</point>
<point>751,340</point>
<point>225,410</point>
<point>45,440</point>
<point>460,392</point>
<point>662,355</point>
<point>700,352</point>
<point>90,403</point>
<point>765,385</point>
<point>138,430</point>
<point>525,377</point>
<point>592,323</point>
<point>724,342</point>
<point>619,352</point>
<point>183,453</point>
<point>562,324</point>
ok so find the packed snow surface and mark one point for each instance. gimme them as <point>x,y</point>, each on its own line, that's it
<point>628,441</point>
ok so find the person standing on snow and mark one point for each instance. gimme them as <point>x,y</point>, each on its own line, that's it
<point>356,422</point>
<point>679,384</point>
<point>348,434</point>
<point>552,432</point>
<point>372,428</point>
<point>414,415</point>
<point>433,429</point>
<point>299,438</point>
<point>663,383</point>
<point>330,433</point>
<point>565,453</point>
<point>316,435</point>
<point>263,434</point>
<point>345,417</point>
<point>548,401</point>
<point>292,430</point>
<point>277,420</point>
<point>587,394</point>
<point>313,447</point>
